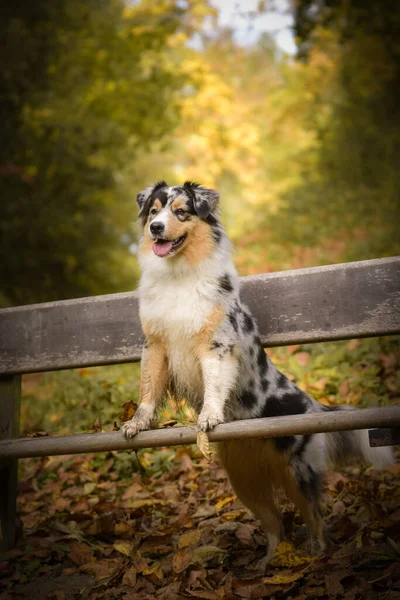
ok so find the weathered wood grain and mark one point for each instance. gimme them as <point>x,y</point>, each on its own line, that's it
<point>10,394</point>
<point>270,427</point>
<point>335,302</point>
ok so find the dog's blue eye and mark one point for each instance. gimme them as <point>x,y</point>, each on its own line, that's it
<point>180,212</point>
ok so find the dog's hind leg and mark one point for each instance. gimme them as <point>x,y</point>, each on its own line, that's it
<point>153,381</point>
<point>249,475</point>
<point>303,489</point>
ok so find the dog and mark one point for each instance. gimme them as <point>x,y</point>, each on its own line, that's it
<point>202,344</point>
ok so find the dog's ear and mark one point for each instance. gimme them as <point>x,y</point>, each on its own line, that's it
<point>144,197</point>
<point>204,200</point>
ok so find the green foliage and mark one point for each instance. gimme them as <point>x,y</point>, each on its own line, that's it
<point>86,87</point>
<point>350,181</point>
<point>75,400</point>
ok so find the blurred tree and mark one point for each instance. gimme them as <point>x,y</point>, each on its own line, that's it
<point>350,176</point>
<point>86,87</point>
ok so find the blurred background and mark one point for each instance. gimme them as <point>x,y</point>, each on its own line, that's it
<point>291,109</point>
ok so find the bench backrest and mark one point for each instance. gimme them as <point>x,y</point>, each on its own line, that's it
<point>335,302</point>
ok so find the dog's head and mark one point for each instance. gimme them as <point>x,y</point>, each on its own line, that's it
<point>174,218</point>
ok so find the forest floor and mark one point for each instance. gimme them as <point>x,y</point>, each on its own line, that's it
<point>181,533</point>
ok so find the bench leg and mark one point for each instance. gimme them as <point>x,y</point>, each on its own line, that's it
<point>10,396</point>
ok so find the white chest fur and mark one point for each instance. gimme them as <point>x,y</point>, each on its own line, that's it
<point>175,303</point>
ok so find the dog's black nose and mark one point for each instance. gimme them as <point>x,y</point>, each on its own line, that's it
<point>157,228</point>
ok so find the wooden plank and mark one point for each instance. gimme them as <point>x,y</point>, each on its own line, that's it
<point>270,427</point>
<point>335,302</point>
<point>389,436</point>
<point>10,395</point>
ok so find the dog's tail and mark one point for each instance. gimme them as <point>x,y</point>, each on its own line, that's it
<point>344,446</point>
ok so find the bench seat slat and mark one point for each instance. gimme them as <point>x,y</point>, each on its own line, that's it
<point>266,427</point>
<point>349,300</point>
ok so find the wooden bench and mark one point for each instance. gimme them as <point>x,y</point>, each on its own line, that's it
<point>353,300</point>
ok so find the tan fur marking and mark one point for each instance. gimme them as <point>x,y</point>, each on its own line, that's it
<point>200,244</point>
<point>178,203</point>
<point>154,372</point>
<point>204,337</point>
<point>258,473</point>
<point>157,204</point>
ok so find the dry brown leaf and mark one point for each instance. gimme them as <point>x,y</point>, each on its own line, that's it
<point>203,444</point>
<point>182,559</point>
<point>123,530</point>
<point>169,423</point>
<point>80,554</point>
<point>107,567</point>
<point>132,490</point>
<point>203,554</point>
<point>244,532</point>
<point>284,577</point>
<point>96,427</point>
<point>129,409</point>
<point>130,577</point>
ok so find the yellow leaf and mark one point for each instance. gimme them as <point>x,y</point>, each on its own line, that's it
<point>221,503</point>
<point>282,578</point>
<point>124,547</point>
<point>287,555</point>
<point>232,515</point>
<point>190,538</point>
<point>203,444</point>
<point>154,570</point>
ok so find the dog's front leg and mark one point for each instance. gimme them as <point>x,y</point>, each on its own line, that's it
<point>153,381</point>
<point>220,372</point>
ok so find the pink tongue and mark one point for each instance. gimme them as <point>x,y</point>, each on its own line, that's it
<point>162,249</point>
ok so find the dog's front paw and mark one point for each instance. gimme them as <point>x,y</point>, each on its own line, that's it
<point>140,422</point>
<point>208,420</point>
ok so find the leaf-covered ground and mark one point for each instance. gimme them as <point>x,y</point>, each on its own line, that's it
<point>91,532</point>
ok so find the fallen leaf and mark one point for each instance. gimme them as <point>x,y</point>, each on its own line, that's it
<point>96,427</point>
<point>244,532</point>
<point>38,434</point>
<point>203,554</point>
<point>182,559</point>
<point>107,567</point>
<point>132,490</point>
<point>284,577</point>
<point>123,530</point>
<point>169,423</point>
<point>129,409</point>
<point>124,547</point>
<point>221,503</point>
<point>203,444</point>
<point>130,577</point>
<point>189,538</point>
<point>80,554</point>
<point>287,555</point>
<point>332,582</point>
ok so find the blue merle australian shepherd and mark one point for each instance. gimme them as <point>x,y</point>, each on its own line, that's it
<point>202,344</point>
